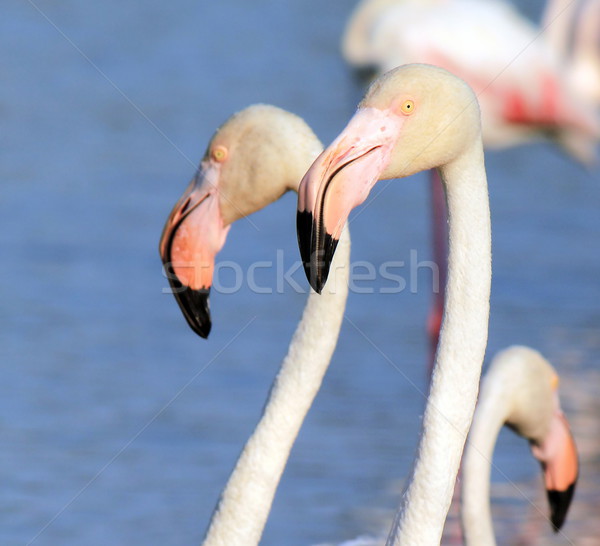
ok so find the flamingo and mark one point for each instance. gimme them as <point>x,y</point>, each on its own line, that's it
<point>585,56</point>
<point>520,390</point>
<point>414,118</point>
<point>258,155</point>
<point>573,30</point>
<point>517,75</point>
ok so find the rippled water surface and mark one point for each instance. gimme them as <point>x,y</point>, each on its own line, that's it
<point>118,425</point>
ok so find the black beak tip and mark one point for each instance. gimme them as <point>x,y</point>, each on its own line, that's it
<point>321,259</point>
<point>304,230</point>
<point>203,328</point>
<point>317,282</point>
<point>318,287</point>
<point>197,312</point>
<point>559,505</point>
<point>316,254</point>
<point>194,305</point>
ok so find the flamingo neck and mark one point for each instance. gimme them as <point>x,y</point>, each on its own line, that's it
<point>244,506</point>
<point>457,369</point>
<point>492,412</point>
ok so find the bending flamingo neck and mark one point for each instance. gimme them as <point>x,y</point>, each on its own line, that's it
<point>492,412</point>
<point>457,369</point>
<point>244,506</point>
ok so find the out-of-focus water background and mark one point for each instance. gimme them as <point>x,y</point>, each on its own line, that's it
<point>118,424</point>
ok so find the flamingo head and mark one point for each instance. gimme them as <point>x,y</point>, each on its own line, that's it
<point>413,118</point>
<point>535,414</point>
<point>526,384</point>
<point>251,160</point>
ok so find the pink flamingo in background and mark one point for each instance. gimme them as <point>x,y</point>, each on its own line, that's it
<point>573,30</point>
<point>518,76</point>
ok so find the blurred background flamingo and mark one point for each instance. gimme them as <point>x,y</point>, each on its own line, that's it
<point>530,86</point>
<point>573,29</point>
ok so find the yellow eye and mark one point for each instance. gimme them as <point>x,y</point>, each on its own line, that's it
<point>408,107</point>
<point>219,153</point>
<point>554,382</point>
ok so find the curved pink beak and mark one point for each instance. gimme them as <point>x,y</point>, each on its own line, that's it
<point>339,180</point>
<point>192,236</point>
<point>558,457</point>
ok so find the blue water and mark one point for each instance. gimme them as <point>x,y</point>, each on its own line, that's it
<point>120,426</point>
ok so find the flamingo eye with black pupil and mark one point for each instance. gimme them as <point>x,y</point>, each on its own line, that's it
<point>407,107</point>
